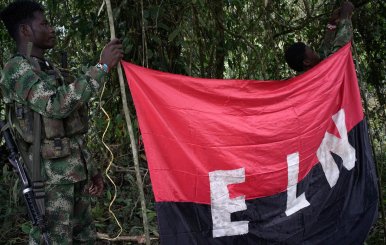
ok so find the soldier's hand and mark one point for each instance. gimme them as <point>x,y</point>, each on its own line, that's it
<point>112,53</point>
<point>97,186</point>
<point>334,18</point>
<point>346,10</point>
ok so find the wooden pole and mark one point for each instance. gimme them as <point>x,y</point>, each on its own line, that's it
<point>130,130</point>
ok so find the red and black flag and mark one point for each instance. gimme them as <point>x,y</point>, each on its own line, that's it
<point>258,162</point>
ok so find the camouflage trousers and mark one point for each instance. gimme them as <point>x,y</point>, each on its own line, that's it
<point>68,216</point>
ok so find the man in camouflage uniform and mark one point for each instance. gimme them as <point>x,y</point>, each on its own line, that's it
<point>37,94</point>
<point>301,57</point>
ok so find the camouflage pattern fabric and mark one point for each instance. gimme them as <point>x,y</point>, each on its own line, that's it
<point>67,205</point>
<point>22,83</point>
<point>334,40</point>
<point>68,215</point>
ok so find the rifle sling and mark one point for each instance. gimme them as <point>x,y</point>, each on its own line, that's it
<point>37,180</point>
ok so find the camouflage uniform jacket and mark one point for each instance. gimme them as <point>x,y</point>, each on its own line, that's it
<point>22,83</point>
<point>334,40</point>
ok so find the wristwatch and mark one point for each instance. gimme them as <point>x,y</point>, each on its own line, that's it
<point>103,67</point>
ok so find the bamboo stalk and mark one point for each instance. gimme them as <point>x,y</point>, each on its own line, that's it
<point>138,239</point>
<point>130,130</point>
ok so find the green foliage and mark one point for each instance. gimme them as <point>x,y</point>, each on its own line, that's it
<point>14,225</point>
<point>202,38</point>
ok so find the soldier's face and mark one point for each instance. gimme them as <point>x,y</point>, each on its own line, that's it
<point>311,58</point>
<point>43,34</point>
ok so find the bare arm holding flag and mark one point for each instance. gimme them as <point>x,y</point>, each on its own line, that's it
<point>338,30</point>
<point>300,57</point>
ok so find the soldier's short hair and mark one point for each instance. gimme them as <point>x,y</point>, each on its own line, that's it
<point>294,56</point>
<point>19,12</point>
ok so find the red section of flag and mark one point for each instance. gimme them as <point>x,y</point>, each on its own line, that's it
<point>192,126</point>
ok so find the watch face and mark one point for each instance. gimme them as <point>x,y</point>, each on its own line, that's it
<point>103,67</point>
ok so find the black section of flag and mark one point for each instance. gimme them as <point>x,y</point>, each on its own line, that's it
<point>340,215</point>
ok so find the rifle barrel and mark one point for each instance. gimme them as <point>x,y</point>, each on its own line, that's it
<point>28,193</point>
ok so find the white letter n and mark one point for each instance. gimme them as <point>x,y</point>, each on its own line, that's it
<point>341,147</point>
<point>222,206</point>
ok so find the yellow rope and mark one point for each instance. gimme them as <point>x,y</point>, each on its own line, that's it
<point>132,138</point>
<point>111,155</point>
<point>109,165</point>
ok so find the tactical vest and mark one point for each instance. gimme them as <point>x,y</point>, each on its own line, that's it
<point>55,133</point>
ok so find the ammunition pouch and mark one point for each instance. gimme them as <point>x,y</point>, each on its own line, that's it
<point>77,122</point>
<point>55,148</point>
<point>53,128</point>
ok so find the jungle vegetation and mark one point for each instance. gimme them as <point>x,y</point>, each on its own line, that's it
<point>241,39</point>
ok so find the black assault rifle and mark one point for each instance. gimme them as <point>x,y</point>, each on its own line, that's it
<point>28,193</point>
